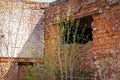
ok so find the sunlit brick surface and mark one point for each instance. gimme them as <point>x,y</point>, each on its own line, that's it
<point>103,52</point>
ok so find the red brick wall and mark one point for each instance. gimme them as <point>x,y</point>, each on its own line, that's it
<point>104,51</point>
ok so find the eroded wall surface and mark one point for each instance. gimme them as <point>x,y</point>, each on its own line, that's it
<point>21,35</point>
<point>102,54</point>
<point>18,20</point>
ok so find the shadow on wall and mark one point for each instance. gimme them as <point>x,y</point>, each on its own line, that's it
<point>33,47</point>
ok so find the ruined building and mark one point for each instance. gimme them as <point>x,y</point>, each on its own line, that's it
<point>24,39</point>
<point>21,36</point>
<point>101,51</point>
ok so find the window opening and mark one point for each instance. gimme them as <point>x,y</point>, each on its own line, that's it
<point>77,30</point>
<point>25,63</point>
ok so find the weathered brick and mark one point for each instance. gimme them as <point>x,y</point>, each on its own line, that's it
<point>106,39</point>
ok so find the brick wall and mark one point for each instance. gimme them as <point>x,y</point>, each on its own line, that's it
<point>102,53</point>
<point>21,35</point>
<point>18,19</point>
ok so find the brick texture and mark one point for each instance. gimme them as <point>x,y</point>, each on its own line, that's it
<point>103,52</point>
<point>21,36</point>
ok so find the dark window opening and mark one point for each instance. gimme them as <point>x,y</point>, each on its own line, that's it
<point>77,30</point>
<point>25,63</point>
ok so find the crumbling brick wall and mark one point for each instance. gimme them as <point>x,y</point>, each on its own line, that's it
<point>18,19</point>
<point>20,24</point>
<point>103,52</point>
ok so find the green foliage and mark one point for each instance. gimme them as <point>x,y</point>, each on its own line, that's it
<point>31,74</point>
<point>66,62</point>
